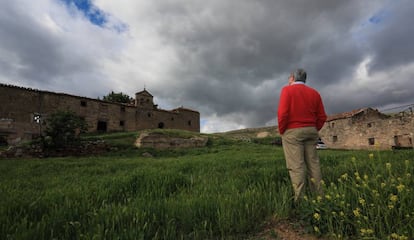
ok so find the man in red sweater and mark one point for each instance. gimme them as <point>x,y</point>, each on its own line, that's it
<point>301,115</point>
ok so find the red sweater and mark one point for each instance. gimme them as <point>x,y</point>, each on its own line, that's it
<point>300,106</point>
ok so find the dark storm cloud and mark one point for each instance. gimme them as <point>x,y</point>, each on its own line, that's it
<point>227,59</point>
<point>230,48</point>
<point>31,48</point>
<point>36,53</point>
<point>391,38</point>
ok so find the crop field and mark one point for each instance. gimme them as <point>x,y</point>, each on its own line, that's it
<point>226,190</point>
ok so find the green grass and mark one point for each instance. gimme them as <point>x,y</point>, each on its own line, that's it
<point>225,191</point>
<point>367,195</point>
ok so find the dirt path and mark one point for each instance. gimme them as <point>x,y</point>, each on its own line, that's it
<point>285,229</point>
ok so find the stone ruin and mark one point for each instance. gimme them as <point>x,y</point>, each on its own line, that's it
<point>162,141</point>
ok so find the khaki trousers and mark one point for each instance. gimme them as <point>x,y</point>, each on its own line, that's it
<point>302,159</point>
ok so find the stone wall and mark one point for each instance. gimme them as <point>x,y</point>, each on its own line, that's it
<point>89,148</point>
<point>20,107</point>
<point>162,141</point>
<point>369,129</point>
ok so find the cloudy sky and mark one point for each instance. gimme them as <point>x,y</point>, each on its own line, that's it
<point>228,59</point>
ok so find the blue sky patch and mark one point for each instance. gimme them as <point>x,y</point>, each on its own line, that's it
<point>378,18</point>
<point>95,15</point>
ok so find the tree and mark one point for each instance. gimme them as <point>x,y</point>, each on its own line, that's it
<point>63,128</point>
<point>117,97</point>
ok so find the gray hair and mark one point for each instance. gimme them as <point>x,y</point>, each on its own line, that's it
<point>300,75</point>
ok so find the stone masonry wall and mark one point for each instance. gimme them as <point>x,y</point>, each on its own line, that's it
<point>19,107</point>
<point>369,131</point>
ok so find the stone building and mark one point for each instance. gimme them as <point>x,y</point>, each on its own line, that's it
<point>367,128</point>
<point>22,110</point>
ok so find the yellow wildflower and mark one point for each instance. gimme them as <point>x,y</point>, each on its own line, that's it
<point>383,184</point>
<point>328,197</point>
<point>366,231</point>
<point>394,236</point>
<point>393,198</point>
<point>390,206</point>
<point>400,187</point>
<point>398,237</point>
<point>365,177</point>
<point>357,212</point>
<point>316,229</point>
<point>319,198</point>
<point>362,201</point>
<point>371,156</point>
<point>388,166</point>
<point>317,216</point>
<point>344,176</point>
<point>341,213</point>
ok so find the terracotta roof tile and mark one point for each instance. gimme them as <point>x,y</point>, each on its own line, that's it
<point>345,114</point>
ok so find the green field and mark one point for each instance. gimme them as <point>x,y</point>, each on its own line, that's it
<point>224,191</point>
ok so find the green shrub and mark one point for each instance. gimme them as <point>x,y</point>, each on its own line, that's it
<point>63,128</point>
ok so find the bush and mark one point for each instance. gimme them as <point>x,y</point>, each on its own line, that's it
<point>63,128</point>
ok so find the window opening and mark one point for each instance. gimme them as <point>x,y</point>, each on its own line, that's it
<point>102,126</point>
<point>371,141</point>
<point>3,141</point>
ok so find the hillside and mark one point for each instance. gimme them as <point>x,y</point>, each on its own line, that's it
<point>251,133</point>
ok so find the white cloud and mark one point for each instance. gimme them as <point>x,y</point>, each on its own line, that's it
<point>215,124</point>
<point>226,59</point>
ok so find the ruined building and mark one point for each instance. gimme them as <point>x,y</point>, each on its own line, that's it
<point>367,128</point>
<point>22,110</point>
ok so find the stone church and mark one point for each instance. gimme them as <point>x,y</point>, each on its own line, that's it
<point>22,110</point>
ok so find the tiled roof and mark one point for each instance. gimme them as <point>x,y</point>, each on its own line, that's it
<point>183,109</point>
<point>144,92</point>
<point>346,114</point>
